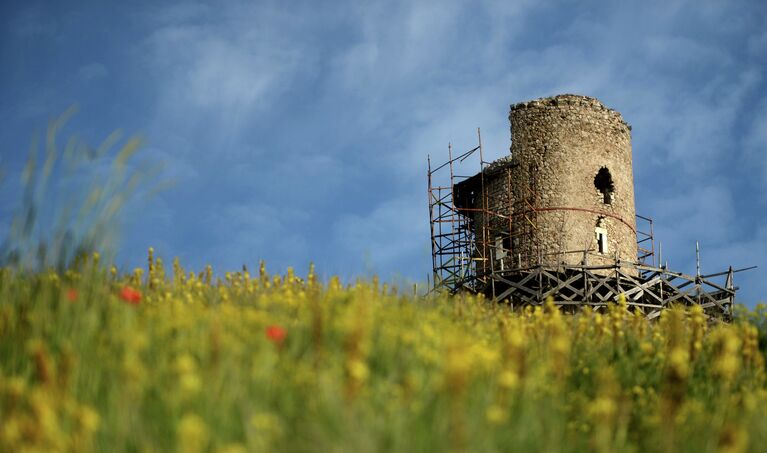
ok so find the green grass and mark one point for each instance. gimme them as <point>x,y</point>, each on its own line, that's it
<point>202,365</point>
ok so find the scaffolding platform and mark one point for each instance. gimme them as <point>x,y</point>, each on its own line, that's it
<point>465,248</point>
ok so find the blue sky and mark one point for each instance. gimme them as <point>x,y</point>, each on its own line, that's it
<point>298,131</point>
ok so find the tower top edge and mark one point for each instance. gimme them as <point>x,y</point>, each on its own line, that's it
<point>575,100</point>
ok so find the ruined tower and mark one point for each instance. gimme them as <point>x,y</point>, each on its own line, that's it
<point>571,160</point>
<point>556,218</point>
<point>565,195</point>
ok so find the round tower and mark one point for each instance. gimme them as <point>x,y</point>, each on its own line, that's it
<point>572,185</point>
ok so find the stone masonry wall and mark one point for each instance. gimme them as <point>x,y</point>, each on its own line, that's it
<point>558,146</point>
<point>497,186</point>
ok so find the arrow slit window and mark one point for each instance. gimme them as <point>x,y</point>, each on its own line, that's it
<point>601,235</point>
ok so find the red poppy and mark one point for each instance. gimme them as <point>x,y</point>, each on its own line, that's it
<point>130,295</point>
<point>72,295</point>
<point>276,334</point>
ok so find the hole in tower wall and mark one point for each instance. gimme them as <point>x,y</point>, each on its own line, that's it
<point>603,181</point>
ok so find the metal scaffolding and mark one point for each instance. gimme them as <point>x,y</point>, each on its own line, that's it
<point>465,247</point>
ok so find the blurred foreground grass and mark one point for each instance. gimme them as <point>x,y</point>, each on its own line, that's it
<point>172,360</point>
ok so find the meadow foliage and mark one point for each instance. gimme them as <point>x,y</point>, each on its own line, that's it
<point>171,360</point>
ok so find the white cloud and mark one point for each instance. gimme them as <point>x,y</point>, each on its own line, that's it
<point>406,78</point>
<point>212,78</point>
<point>393,51</point>
<point>218,71</point>
<point>635,69</point>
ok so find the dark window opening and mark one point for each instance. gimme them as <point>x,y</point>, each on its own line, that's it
<point>503,243</point>
<point>603,181</point>
<point>602,242</point>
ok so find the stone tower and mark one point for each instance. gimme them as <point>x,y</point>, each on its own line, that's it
<point>555,219</point>
<point>571,183</point>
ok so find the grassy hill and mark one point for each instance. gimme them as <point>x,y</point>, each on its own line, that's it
<point>170,360</point>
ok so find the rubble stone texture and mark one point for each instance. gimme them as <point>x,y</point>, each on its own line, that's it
<point>558,145</point>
